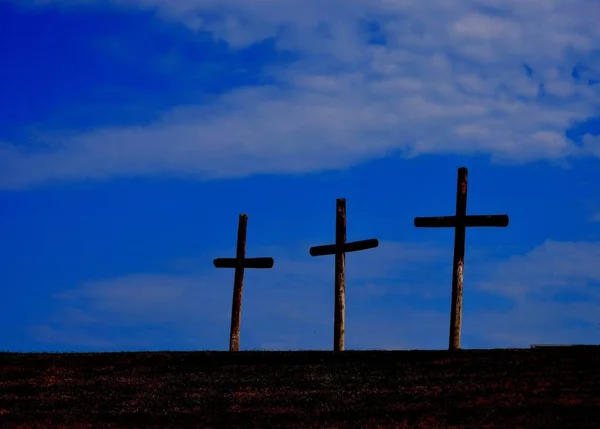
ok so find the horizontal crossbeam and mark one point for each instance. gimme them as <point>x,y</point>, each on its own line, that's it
<point>245,263</point>
<point>466,221</point>
<point>353,246</point>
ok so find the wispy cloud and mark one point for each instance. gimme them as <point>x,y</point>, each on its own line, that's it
<point>555,291</point>
<point>551,267</point>
<point>451,77</point>
<point>552,294</point>
<point>291,304</point>
<point>48,335</point>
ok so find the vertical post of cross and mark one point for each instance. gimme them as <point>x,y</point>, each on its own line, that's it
<point>458,261</point>
<point>238,284</point>
<point>340,278</point>
<point>339,249</point>
<point>240,262</point>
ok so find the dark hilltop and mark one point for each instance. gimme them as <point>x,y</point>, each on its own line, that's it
<point>504,388</point>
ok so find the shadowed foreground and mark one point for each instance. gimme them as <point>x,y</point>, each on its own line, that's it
<point>537,388</point>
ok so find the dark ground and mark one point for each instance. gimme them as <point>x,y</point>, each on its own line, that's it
<point>528,388</point>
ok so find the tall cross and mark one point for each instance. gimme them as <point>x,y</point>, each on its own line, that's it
<point>459,222</point>
<point>338,249</point>
<point>240,262</point>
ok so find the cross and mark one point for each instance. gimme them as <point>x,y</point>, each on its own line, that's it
<point>338,249</point>
<point>240,262</point>
<point>459,222</point>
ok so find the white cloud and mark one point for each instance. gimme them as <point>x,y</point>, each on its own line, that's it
<point>388,305</point>
<point>450,79</point>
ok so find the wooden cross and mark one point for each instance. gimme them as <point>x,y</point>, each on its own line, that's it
<point>240,262</point>
<point>338,249</point>
<point>459,222</point>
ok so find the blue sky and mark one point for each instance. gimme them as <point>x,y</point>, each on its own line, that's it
<point>134,132</point>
